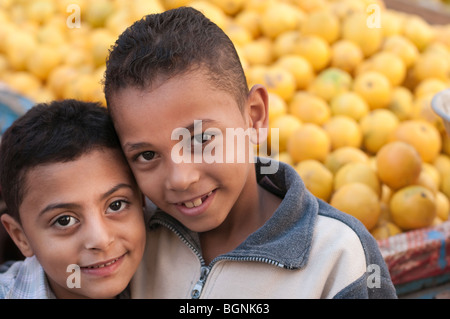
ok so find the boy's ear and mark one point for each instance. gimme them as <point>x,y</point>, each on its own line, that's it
<point>258,110</point>
<point>17,234</point>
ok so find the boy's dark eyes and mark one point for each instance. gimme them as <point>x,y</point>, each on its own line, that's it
<point>65,221</point>
<point>202,138</point>
<point>148,155</point>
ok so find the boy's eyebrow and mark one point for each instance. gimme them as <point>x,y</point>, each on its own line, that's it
<point>130,147</point>
<point>53,206</point>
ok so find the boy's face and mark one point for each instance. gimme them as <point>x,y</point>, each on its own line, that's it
<point>197,193</point>
<point>87,213</point>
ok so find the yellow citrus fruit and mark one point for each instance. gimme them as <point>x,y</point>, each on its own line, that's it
<point>59,77</point>
<point>210,10</point>
<point>280,81</point>
<point>354,28</point>
<point>309,141</point>
<point>430,86</point>
<point>322,23</point>
<point>385,230</point>
<point>374,88</point>
<point>431,65</point>
<point>238,34</point>
<point>330,83</point>
<point>422,135</point>
<point>413,207</point>
<point>19,46</point>
<point>427,181</point>
<point>284,44</point>
<point>376,128</point>
<point>349,104</point>
<point>300,68</point>
<point>277,106</point>
<point>418,31</point>
<point>401,103</point>
<point>422,110</point>
<point>249,19</point>
<point>432,172</point>
<point>317,178</point>
<point>358,200</point>
<point>402,47</point>
<point>442,164</point>
<point>314,49</point>
<point>346,55</point>
<point>344,155</point>
<point>97,12</point>
<point>357,172</point>
<point>286,125</point>
<point>398,164</point>
<point>442,206</point>
<point>258,51</point>
<point>230,7</point>
<point>22,82</point>
<point>392,22</point>
<point>343,131</point>
<point>101,41</point>
<point>309,108</point>
<point>388,64</point>
<point>280,17</point>
<point>43,60</point>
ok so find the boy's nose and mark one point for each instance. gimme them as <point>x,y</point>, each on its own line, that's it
<point>98,234</point>
<point>181,176</point>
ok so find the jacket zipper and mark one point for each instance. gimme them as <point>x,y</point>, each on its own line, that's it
<point>204,269</point>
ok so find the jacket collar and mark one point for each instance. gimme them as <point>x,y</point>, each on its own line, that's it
<point>285,239</point>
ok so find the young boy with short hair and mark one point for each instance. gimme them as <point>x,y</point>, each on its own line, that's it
<point>73,206</point>
<point>225,227</point>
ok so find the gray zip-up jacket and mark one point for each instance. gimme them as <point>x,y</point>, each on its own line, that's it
<point>307,249</point>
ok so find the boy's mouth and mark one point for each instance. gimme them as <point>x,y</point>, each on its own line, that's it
<point>196,201</point>
<point>103,264</point>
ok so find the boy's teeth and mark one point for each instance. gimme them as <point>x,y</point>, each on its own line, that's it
<point>196,202</point>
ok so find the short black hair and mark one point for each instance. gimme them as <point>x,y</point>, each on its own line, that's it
<point>172,43</point>
<point>60,131</point>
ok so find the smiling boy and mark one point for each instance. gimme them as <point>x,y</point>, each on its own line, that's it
<point>224,229</point>
<point>73,206</point>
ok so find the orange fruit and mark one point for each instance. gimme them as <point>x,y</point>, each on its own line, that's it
<point>258,51</point>
<point>421,110</point>
<point>374,88</point>
<point>442,206</point>
<point>344,155</point>
<point>300,68</point>
<point>309,141</point>
<point>376,128</point>
<point>277,106</point>
<point>358,200</point>
<point>43,60</point>
<point>280,81</point>
<point>402,47</point>
<point>398,164</point>
<point>346,55</point>
<point>330,83</point>
<point>309,108</point>
<point>314,49</point>
<point>413,207</point>
<point>357,172</point>
<point>286,125</point>
<point>388,64</point>
<point>430,86</point>
<point>431,65</point>
<point>385,230</point>
<point>317,178</point>
<point>322,23</point>
<point>238,34</point>
<point>422,135</point>
<point>354,28</point>
<point>249,19</point>
<point>343,131</point>
<point>401,103</point>
<point>280,17</point>
<point>418,31</point>
<point>349,104</point>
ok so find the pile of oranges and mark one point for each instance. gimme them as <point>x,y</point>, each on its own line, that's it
<point>350,86</point>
